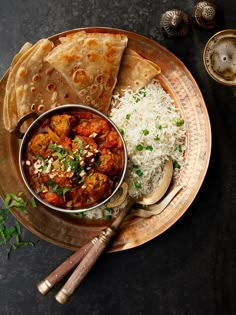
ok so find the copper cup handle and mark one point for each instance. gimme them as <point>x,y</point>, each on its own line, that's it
<point>19,134</point>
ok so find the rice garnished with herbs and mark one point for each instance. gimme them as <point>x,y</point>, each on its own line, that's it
<point>153,131</point>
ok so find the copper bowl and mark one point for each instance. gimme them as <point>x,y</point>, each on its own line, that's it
<point>26,137</point>
<point>219,57</point>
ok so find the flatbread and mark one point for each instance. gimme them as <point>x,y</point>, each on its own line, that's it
<point>10,117</point>
<point>39,86</point>
<point>135,72</point>
<point>34,86</point>
<point>23,50</point>
<point>90,63</point>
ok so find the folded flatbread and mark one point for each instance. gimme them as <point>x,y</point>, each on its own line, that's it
<point>82,69</point>
<point>10,116</point>
<point>34,86</point>
<point>90,62</point>
<point>135,72</point>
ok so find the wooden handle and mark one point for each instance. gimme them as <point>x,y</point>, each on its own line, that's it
<point>55,276</point>
<point>83,268</point>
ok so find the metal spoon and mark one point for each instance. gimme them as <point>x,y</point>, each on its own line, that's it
<point>162,187</point>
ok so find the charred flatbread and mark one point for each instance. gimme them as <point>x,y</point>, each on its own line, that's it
<point>90,62</point>
<point>10,117</point>
<point>135,72</point>
<point>39,86</point>
<point>23,50</point>
<point>34,86</point>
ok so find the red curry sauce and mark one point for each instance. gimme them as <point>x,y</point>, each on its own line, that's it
<point>74,161</point>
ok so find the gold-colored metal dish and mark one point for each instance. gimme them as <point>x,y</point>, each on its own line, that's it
<point>72,232</point>
<point>219,57</point>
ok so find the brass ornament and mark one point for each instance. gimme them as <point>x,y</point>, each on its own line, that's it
<point>174,23</point>
<point>204,14</point>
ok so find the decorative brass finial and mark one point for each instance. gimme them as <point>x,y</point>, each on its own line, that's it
<point>174,23</point>
<point>204,14</point>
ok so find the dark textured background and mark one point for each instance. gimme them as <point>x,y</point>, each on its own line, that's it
<point>189,269</point>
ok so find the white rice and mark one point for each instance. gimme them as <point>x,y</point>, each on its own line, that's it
<point>149,121</point>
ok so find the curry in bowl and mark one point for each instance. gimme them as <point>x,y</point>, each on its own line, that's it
<point>73,158</point>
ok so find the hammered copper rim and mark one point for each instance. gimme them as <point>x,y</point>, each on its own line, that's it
<point>219,57</point>
<point>72,232</point>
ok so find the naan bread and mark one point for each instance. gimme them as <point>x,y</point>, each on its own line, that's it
<point>90,63</point>
<point>135,72</point>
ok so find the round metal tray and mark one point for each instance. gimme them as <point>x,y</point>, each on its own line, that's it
<point>71,232</point>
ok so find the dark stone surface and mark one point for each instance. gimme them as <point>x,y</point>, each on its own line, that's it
<point>191,268</point>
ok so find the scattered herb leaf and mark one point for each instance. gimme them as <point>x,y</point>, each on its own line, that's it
<point>10,235</point>
<point>107,213</point>
<point>13,200</point>
<point>33,202</point>
<point>180,148</point>
<point>176,165</point>
<point>122,132</point>
<point>81,214</point>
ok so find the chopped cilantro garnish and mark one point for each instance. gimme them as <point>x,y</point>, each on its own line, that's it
<point>122,132</point>
<point>40,158</point>
<point>53,187</point>
<point>128,116</point>
<point>81,214</point>
<point>107,213</point>
<point>71,165</point>
<point>80,145</point>
<point>180,148</point>
<point>176,165</point>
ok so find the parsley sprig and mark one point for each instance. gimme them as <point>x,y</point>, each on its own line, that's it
<point>11,234</point>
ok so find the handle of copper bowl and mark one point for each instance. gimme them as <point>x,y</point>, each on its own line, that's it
<point>18,132</point>
<point>61,271</point>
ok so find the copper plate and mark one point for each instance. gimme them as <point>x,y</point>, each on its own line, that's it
<point>72,232</point>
